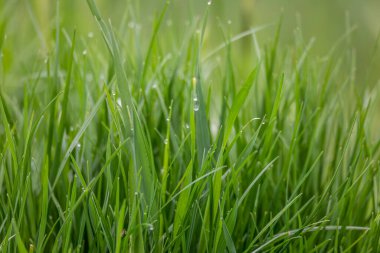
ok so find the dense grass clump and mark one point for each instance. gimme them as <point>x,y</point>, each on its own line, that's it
<point>177,146</point>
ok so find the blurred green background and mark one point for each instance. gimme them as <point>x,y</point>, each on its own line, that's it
<point>29,24</point>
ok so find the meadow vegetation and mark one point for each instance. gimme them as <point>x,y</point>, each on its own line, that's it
<point>160,142</point>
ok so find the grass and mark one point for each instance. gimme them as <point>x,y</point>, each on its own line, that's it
<point>179,147</point>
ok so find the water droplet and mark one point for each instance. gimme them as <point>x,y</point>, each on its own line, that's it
<point>90,35</point>
<point>118,101</point>
<point>187,126</point>
<point>151,227</point>
<point>209,2</point>
<point>84,52</point>
<point>131,25</point>
<point>123,232</point>
<point>113,93</point>
<point>84,189</point>
<point>78,145</point>
<point>136,193</point>
<point>229,22</point>
<point>196,104</point>
<point>194,81</point>
<point>168,119</point>
<point>154,86</point>
<point>166,141</point>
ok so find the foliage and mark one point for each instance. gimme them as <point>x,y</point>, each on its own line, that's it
<point>175,148</point>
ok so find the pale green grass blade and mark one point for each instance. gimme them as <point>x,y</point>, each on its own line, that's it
<point>76,140</point>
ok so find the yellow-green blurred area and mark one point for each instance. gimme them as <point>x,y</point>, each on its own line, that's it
<point>347,27</point>
<point>29,24</point>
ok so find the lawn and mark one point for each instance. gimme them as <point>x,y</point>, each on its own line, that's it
<point>153,132</point>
